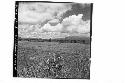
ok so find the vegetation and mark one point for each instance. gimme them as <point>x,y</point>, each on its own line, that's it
<point>72,39</point>
<point>63,64</point>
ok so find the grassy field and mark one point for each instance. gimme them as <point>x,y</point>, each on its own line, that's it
<point>53,60</point>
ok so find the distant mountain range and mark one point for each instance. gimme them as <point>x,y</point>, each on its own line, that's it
<point>77,38</point>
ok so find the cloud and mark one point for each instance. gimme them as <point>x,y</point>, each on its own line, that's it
<point>48,28</point>
<point>71,24</point>
<point>40,12</point>
<point>75,24</point>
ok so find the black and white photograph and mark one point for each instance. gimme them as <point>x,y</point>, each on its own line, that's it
<point>52,40</point>
<point>62,41</point>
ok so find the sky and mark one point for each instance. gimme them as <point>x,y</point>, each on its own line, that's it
<point>53,20</point>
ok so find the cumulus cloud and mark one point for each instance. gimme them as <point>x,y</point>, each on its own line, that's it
<point>40,12</point>
<point>75,23</point>
<point>71,24</point>
<point>49,14</point>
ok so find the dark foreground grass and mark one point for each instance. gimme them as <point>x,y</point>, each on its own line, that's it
<point>53,60</point>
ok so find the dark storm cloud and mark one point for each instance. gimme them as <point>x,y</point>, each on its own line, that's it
<point>78,8</point>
